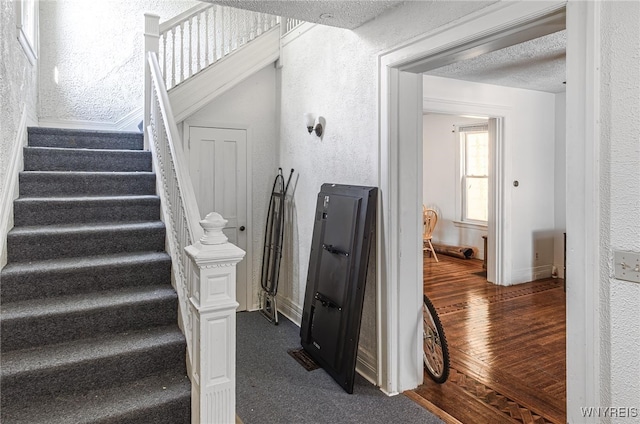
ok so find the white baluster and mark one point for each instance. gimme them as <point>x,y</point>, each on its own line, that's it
<point>164,58</point>
<point>252,18</point>
<point>190,52</point>
<point>198,61</point>
<point>215,34</point>
<point>259,24</point>
<point>222,31</point>
<point>181,51</point>
<point>244,27</point>
<point>206,38</point>
<point>173,57</point>
<point>233,27</point>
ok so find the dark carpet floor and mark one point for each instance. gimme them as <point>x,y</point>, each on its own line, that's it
<point>273,388</point>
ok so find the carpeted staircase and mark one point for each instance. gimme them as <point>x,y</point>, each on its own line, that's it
<point>88,315</point>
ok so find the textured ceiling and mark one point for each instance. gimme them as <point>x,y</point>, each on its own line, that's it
<point>347,14</point>
<point>538,64</point>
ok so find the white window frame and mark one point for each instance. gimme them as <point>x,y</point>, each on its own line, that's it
<point>27,25</point>
<point>462,221</point>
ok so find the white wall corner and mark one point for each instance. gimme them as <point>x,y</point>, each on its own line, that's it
<point>10,187</point>
<point>129,122</point>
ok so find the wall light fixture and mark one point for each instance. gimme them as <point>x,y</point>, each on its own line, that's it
<point>313,124</point>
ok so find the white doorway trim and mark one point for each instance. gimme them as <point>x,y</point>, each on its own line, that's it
<point>251,298</point>
<point>399,289</point>
<point>498,228</point>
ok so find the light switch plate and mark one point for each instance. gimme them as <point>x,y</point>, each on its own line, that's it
<point>627,266</point>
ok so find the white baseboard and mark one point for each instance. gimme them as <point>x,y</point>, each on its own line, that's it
<point>366,365</point>
<point>129,122</point>
<point>10,189</point>
<point>366,362</point>
<point>531,274</point>
<point>290,310</point>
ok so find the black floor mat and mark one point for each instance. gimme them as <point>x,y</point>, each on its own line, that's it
<point>303,359</point>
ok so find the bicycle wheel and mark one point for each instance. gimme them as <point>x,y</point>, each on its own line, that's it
<point>435,350</point>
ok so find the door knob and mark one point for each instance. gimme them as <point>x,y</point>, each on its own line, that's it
<point>242,228</point>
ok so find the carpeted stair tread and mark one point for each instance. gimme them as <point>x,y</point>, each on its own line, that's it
<point>88,315</point>
<point>94,160</point>
<point>76,304</point>
<point>162,399</point>
<point>66,276</point>
<point>73,138</point>
<point>80,183</point>
<point>65,354</point>
<point>31,211</point>
<point>43,321</point>
<point>88,364</point>
<point>73,240</point>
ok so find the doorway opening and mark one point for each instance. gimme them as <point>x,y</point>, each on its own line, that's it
<point>492,329</point>
<point>400,154</point>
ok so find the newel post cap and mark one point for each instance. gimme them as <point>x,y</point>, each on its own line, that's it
<point>213,224</point>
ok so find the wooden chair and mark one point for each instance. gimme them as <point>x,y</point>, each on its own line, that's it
<point>429,221</point>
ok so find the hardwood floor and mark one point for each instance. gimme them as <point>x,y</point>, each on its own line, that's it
<point>507,347</point>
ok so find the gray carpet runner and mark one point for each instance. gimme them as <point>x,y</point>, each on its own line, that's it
<point>88,318</point>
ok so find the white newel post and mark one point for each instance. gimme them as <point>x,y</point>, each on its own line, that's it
<point>151,44</point>
<point>212,295</point>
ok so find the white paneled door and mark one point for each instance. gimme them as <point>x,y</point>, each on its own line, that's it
<point>218,168</point>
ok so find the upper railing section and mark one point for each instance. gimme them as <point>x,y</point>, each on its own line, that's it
<point>203,35</point>
<point>290,24</point>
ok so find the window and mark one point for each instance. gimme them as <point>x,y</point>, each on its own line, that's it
<point>27,23</point>
<point>474,175</point>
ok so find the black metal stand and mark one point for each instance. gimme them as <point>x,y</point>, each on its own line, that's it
<point>272,253</point>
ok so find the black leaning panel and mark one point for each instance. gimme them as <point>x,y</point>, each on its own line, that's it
<point>342,237</point>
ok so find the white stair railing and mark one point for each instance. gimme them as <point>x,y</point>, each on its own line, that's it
<point>179,205</point>
<point>203,35</point>
<point>290,24</point>
<point>204,267</point>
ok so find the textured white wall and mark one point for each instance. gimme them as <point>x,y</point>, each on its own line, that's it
<point>97,48</point>
<point>252,104</point>
<point>560,171</point>
<point>530,134</point>
<point>440,178</point>
<point>620,201</point>
<point>18,86</point>
<point>333,72</point>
